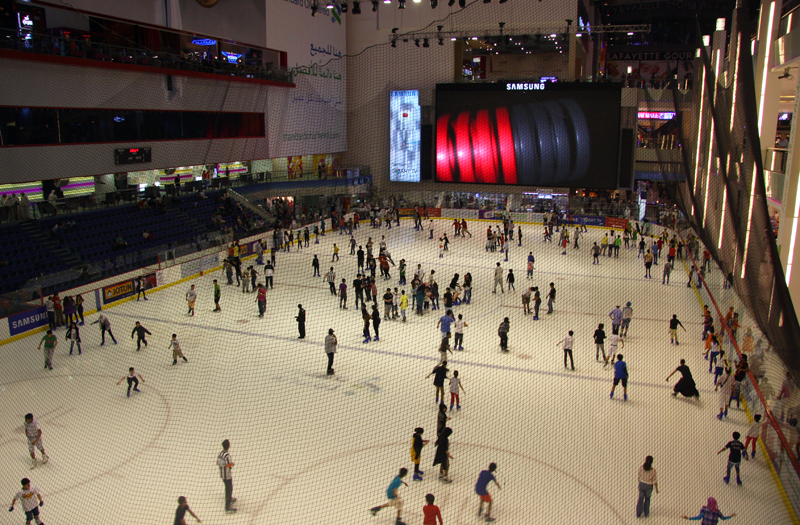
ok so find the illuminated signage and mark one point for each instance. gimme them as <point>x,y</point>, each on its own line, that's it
<point>524,86</point>
<point>25,20</point>
<point>132,155</point>
<point>784,116</point>
<point>204,42</point>
<point>548,79</point>
<point>657,115</point>
<point>232,57</point>
<point>405,134</point>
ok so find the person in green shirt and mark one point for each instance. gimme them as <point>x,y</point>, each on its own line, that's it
<point>50,343</point>
<point>216,297</point>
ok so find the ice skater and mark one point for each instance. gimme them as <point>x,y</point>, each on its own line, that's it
<point>567,342</point>
<point>599,343</point>
<point>176,350</point>
<point>73,335</point>
<point>50,342</point>
<point>217,295</point>
<point>376,321</point>
<point>439,374</point>
<point>34,435</point>
<point>133,380</point>
<point>725,388</point>
<point>674,323</point>
<point>261,299</point>
<point>647,482</point>
<point>394,498</point>
<point>753,434</point>
<point>613,343</point>
<point>616,319</point>
<point>735,448</point>
<point>183,506</point>
<point>443,456</point>
<point>627,315</point>
<point>330,349</point>
<point>416,451</point>
<point>141,283</point>
<point>343,294</point>
<point>620,375</point>
<point>502,331</point>
<point>140,332</point>
<point>686,385</point>
<point>28,496</point>
<point>431,512</point>
<point>105,326</point>
<point>366,318</point>
<point>551,298</point>
<point>315,266</point>
<point>710,514</point>
<point>301,321</point>
<point>455,387</point>
<point>482,490</point>
<point>191,297</point>
<point>330,277</point>
<point>498,278</point>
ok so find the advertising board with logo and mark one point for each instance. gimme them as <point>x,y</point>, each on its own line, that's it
<point>617,223</point>
<point>28,320</point>
<point>118,291</point>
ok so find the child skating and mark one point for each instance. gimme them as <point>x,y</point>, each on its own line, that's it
<point>620,375</point>
<point>34,435</point>
<point>736,449</point>
<point>140,332</point>
<point>176,350</point>
<point>455,387</point>
<point>28,496</point>
<point>133,380</point>
<point>394,498</point>
<point>416,451</point>
<point>191,297</point>
<point>725,388</point>
<point>481,489</point>
<point>431,512</point>
<point>753,434</point>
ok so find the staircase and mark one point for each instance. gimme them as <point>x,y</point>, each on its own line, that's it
<point>33,231</point>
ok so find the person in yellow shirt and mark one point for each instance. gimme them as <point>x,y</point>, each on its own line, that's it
<point>335,253</point>
<point>403,304</point>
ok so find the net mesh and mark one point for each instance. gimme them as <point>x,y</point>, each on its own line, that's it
<point>309,447</point>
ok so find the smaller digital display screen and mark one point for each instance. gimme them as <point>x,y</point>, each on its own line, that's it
<point>405,130</point>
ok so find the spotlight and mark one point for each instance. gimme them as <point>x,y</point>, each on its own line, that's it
<point>329,5</point>
<point>441,41</point>
<point>462,3</point>
<point>314,9</point>
<point>486,1</point>
<point>451,2</point>
<point>434,4</point>
<point>503,1</point>
<point>356,8</point>
<point>425,43</point>
<point>401,4</point>
<point>344,7</point>
<point>374,5</point>
<point>394,43</point>
<point>416,42</point>
<point>395,30</point>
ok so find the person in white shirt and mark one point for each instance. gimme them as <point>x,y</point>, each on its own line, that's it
<point>28,496</point>
<point>455,387</point>
<point>458,330</point>
<point>567,342</point>
<point>613,342</point>
<point>34,435</point>
<point>753,433</point>
<point>225,463</point>
<point>133,380</point>
<point>191,297</point>
<point>176,350</point>
<point>498,279</point>
<point>647,482</point>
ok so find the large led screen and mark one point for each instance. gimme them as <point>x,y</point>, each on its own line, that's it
<point>527,133</point>
<point>404,140</point>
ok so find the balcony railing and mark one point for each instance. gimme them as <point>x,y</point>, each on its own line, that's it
<point>75,48</point>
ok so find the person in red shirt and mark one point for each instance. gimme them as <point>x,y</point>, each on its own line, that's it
<point>706,260</point>
<point>59,309</point>
<point>431,511</point>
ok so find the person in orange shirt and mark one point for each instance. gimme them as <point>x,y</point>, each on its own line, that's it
<point>431,512</point>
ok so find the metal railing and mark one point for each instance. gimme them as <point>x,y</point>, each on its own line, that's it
<point>775,159</point>
<point>69,47</point>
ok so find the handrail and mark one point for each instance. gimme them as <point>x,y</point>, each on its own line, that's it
<point>250,206</point>
<point>767,410</point>
<point>60,46</point>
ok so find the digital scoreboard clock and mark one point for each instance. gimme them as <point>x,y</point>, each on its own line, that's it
<point>132,156</point>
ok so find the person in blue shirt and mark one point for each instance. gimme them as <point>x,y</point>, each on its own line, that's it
<point>620,375</point>
<point>394,499</point>
<point>481,489</point>
<point>710,514</point>
<point>445,321</point>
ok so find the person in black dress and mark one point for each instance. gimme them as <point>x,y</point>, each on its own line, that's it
<point>443,457</point>
<point>685,386</point>
<point>183,508</point>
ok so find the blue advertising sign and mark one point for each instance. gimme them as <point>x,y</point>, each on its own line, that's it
<point>28,320</point>
<point>405,128</point>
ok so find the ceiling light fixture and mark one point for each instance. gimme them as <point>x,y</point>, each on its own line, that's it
<point>356,8</point>
<point>434,4</point>
<point>462,3</point>
<point>401,4</point>
<point>425,43</point>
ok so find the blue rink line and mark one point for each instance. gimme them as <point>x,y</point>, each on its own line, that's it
<point>410,356</point>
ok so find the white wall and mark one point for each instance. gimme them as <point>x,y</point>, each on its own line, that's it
<point>379,68</point>
<point>146,11</point>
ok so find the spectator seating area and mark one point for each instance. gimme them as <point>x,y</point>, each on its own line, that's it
<point>26,258</point>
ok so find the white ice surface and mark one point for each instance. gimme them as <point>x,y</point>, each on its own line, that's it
<point>315,449</point>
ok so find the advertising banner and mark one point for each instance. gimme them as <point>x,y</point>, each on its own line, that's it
<point>491,214</point>
<point>295,167</point>
<point>198,266</point>
<point>28,320</point>
<point>118,291</point>
<point>406,212</point>
<point>590,220</point>
<point>405,119</point>
<point>150,281</point>
<point>617,223</point>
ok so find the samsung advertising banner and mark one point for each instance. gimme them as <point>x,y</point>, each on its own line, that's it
<point>310,118</point>
<point>404,142</point>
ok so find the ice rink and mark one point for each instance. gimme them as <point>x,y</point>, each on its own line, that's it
<point>317,449</point>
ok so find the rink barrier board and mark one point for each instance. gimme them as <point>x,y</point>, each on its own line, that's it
<point>446,214</point>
